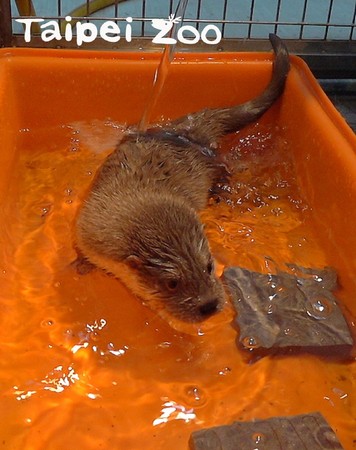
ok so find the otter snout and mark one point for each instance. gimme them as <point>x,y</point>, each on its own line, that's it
<point>209,307</point>
<point>203,307</point>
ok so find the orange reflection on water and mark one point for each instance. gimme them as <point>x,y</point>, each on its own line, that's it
<point>84,363</point>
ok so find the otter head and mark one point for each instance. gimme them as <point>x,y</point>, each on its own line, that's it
<point>169,261</point>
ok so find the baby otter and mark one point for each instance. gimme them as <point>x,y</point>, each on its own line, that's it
<point>140,221</point>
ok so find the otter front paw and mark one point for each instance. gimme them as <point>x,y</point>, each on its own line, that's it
<point>82,265</point>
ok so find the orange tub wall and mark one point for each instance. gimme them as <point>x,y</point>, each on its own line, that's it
<point>42,89</point>
<point>324,150</point>
<point>48,88</point>
<point>9,125</point>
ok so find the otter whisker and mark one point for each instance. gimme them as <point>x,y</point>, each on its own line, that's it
<point>187,300</point>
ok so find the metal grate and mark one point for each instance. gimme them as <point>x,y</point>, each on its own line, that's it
<point>314,29</point>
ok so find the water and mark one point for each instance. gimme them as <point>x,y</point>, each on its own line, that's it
<point>250,343</point>
<point>258,438</point>
<point>162,70</point>
<point>105,365</point>
<point>319,308</point>
<point>249,232</point>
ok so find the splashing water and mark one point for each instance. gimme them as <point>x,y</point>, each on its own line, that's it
<point>106,366</point>
<point>162,70</point>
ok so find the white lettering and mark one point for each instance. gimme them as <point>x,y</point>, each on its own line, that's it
<point>49,35</point>
<point>110,27</point>
<point>204,33</point>
<point>68,34</point>
<point>128,33</point>
<point>110,31</point>
<point>28,23</point>
<point>192,30</point>
<point>81,32</point>
<point>165,27</point>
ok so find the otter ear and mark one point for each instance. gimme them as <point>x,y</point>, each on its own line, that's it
<point>133,261</point>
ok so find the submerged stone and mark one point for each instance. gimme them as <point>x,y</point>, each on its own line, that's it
<point>286,310</point>
<point>306,431</point>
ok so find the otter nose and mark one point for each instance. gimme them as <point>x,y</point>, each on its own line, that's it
<point>208,308</point>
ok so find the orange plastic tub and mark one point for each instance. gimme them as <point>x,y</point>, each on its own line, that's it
<point>85,365</point>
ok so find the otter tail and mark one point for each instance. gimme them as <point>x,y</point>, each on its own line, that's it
<point>207,125</point>
<point>248,112</point>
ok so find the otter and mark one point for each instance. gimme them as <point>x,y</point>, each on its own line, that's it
<point>140,220</point>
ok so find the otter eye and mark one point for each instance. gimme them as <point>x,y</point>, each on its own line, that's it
<point>172,284</point>
<point>210,267</point>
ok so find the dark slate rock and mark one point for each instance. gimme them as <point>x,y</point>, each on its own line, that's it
<point>302,432</point>
<point>288,310</point>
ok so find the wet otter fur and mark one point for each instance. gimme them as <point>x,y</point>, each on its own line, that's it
<point>140,220</point>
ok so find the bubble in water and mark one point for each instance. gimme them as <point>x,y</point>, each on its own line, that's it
<point>319,307</point>
<point>165,344</point>
<point>317,278</point>
<point>257,438</point>
<point>288,331</point>
<point>277,211</point>
<point>282,184</point>
<point>69,333</point>
<point>250,342</point>
<point>47,323</point>
<point>340,393</point>
<point>195,396</point>
<point>225,371</point>
<point>74,144</point>
<point>270,266</point>
<point>93,396</point>
<point>45,210</point>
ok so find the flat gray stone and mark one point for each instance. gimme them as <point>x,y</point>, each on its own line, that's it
<point>286,310</point>
<point>302,432</point>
